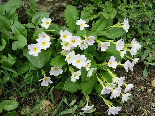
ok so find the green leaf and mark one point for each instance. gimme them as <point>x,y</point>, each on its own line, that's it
<point>3,45</point>
<point>30,25</point>
<point>55,28</point>
<point>87,86</point>
<point>33,5</point>
<point>97,1</point>
<point>20,43</point>
<point>106,76</point>
<point>24,68</point>
<point>12,4</point>
<point>145,72</point>
<point>4,23</point>
<point>37,61</point>
<point>31,77</point>
<point>11,59</point>
<point>71,16</point>
<point>30,13</point>
<point>115,32</point>
<point>58,61</point>
<point>13,113</point>
<point>1,107</point>
<point>9,104</point>
<point>67,111</point>
<point>84,74</point>
<point>39,31</point>
<point>71,86</point>
<point>59,86</point>
<point>99,25</point>
<point>36,19</point>
<point>18,26</point>
<point>90,50</point>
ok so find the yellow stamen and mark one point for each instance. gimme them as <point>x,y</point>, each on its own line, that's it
<point>55,68</point>
<point>78,61</point>
<point>43,43</point>
<point>44,36</point>
<point>73,41</point>
<point>66,44</point>
<point>82,24</point>
<point>82,43</point>
<point>45,79</point>
<point>47,23</point>
<point>68,57</point>
<point>75,75</point>
<point>35,49</point>
<point>110,62</point>
<point>87,39</point>
<point>65,36</point>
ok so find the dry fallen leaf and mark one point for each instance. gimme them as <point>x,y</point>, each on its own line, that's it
<point>153,83</point>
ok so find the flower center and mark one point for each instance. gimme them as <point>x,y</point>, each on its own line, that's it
<point>65,36</point>
<point>68,57</point>
<point>110,62</point>
<point>87,39</point>
<point>45,79</point>
<point>75,75</point>
<point>131,44</point>
<point>78,61</point>
<point>66,44</point>
<point>43,43</point>
<point>44,36</point>
<point>82,24</point>
<point>47,23</point>
<point>35,49</point>
<point>73,41</point>
<point>55,68</point>
<point>82,43</point>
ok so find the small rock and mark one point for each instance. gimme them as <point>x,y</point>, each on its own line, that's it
<point>153,83</point>
<point>149,90</point>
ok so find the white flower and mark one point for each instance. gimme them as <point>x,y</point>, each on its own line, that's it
<point>116,92</point>
<point>114,110</point>
<point>88,64</point>
<point>112,63</point>
<point>75,40</point>
<point>135,47</point>
<point>135,60</point>
<point>44,36</point>
<point>90,40</point>
<point>43,44</point>
<point>106,90</point>
<point>46,81</point>
<point>83,45</point>
<point>119,81</point>
<point>34,49</point>
<point>122,53</point>
<point>55,71</point>
<point>75,76</point>
<point>46,22</point>
<point>126,25</point>
<point>120,45</point>
<point>128,87</point>
<point>125,97</point>
<point>66,45</point>
<point>90,71</point>
<point>104,46</point>
<point>82,24</point>
<point>70,57</point>
<point>79,61</point>
<point>86,108</point>
<point>65,35</point>
<point>129,65</point>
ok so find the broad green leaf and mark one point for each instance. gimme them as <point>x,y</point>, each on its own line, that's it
<point>30,13</point>
<point>33,5</point>
<point>3,45</point>
<point>37,61</point>
<point>20,43</point>
<point>59,86</point>
<point>24,68</point>
<point>71,16</point>
<point>9,104</point>
<point>39,31</point>
<point>47,55</point>
<point>71,86</point>
<point>13,113</point>
<point>97,1</point>
<point>1,107</point>
<point>11,4</point>
<point>5,36</point>
<point>18,26</point>
<point>99,25</point>
<point>87,86</point>
<point>11,59</point>
<point>54,28</point>
<point>106,76</point>
<point>4,23</point>
<point>30,25</point>
<point>58,61</point>
<point>84,74</point>
<point>145,72</point>
<point>90,50</point>
<point>115,32</point>
<point>36,19</point>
